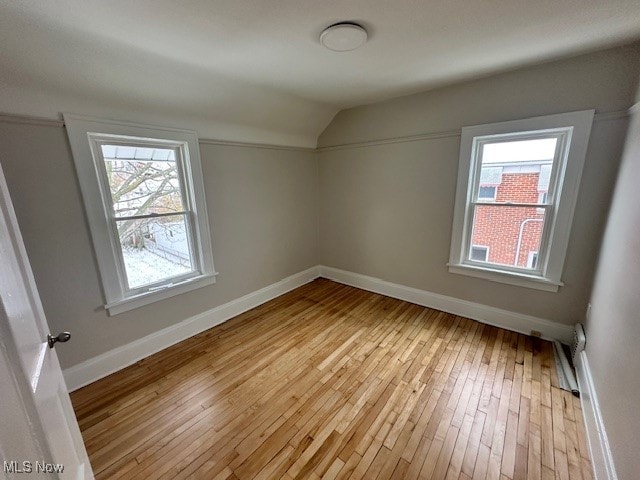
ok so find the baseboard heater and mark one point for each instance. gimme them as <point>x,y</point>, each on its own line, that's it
<point>566,378</point>
<point>566,375</point>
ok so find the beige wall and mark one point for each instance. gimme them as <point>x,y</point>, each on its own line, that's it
<point>386,210</point>
<point>382,210</point>
<point>613,328</point>
<point>262,206</point>
<point>605,81</point>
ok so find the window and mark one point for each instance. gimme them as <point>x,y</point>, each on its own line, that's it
<point>144,196</point>
<point>479,253</point>
<point>487,193</point>
<point>534,168</point>
<point>542,197</point>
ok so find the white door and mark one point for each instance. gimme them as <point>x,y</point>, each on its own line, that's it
<point>38,428</point>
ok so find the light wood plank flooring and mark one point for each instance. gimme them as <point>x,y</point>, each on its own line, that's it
<point>329,381</point>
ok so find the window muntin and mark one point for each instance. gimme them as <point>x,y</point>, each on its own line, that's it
<point>165,212</point>
<point>491,155</point>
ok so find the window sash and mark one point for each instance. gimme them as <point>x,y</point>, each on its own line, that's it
<point>84,132</point>
<point>112,219</point>
<point>474,200</point>
<point>165,282</point>
<point>544,240</point>
<point>564,182</point>
<point>560,134</point>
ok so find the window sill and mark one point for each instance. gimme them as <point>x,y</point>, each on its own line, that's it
<point>124,305</point>
<point>509,278</point>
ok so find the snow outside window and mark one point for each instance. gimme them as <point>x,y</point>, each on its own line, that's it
<point>144,195</point>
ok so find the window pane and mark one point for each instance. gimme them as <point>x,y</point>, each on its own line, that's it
<point>142,180</point>
<point>518,170</point>
<point>509,233</point>
<point>519,151</point>
<point>155,249</point>
<point>486,193</point>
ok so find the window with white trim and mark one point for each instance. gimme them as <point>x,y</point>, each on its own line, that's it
<point>144,196</point>
<point>534,166</point>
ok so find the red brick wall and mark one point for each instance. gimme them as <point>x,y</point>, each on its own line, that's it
<point>499,227</point>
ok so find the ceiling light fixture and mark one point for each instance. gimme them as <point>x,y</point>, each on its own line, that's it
<point>343,36</point>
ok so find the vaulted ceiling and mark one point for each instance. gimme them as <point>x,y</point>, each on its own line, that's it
<point>253,70</point>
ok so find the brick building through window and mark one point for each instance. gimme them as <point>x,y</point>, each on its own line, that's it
<point>517,186</point>
<point>511,235</point>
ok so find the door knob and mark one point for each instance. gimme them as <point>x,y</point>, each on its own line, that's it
<point>62,337</point>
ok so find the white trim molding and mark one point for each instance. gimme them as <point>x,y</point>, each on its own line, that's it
<point>50,122</point>
<point>497,317</point>
<point>34,120</point>
<point>386,141</point>
<point>599,117</point>
<point>30,120</point>
<point>88,137</point>
<point>109,362</point>
<point>599,449</point>
<point>268,146</point>
<point>570,133</point>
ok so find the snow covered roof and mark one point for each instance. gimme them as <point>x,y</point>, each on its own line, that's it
<point>120,152</point>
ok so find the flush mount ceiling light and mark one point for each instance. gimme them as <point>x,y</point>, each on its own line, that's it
<point>343,37</point>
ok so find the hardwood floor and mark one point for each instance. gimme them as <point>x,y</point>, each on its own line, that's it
<point>329,381</point>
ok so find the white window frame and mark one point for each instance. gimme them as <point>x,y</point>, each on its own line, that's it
<point>573,130</point>
<point>86,134</point>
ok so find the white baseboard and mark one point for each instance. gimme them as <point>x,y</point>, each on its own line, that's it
<point>109,362</point>
<point>516,322</point>
<point>601,457</point>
